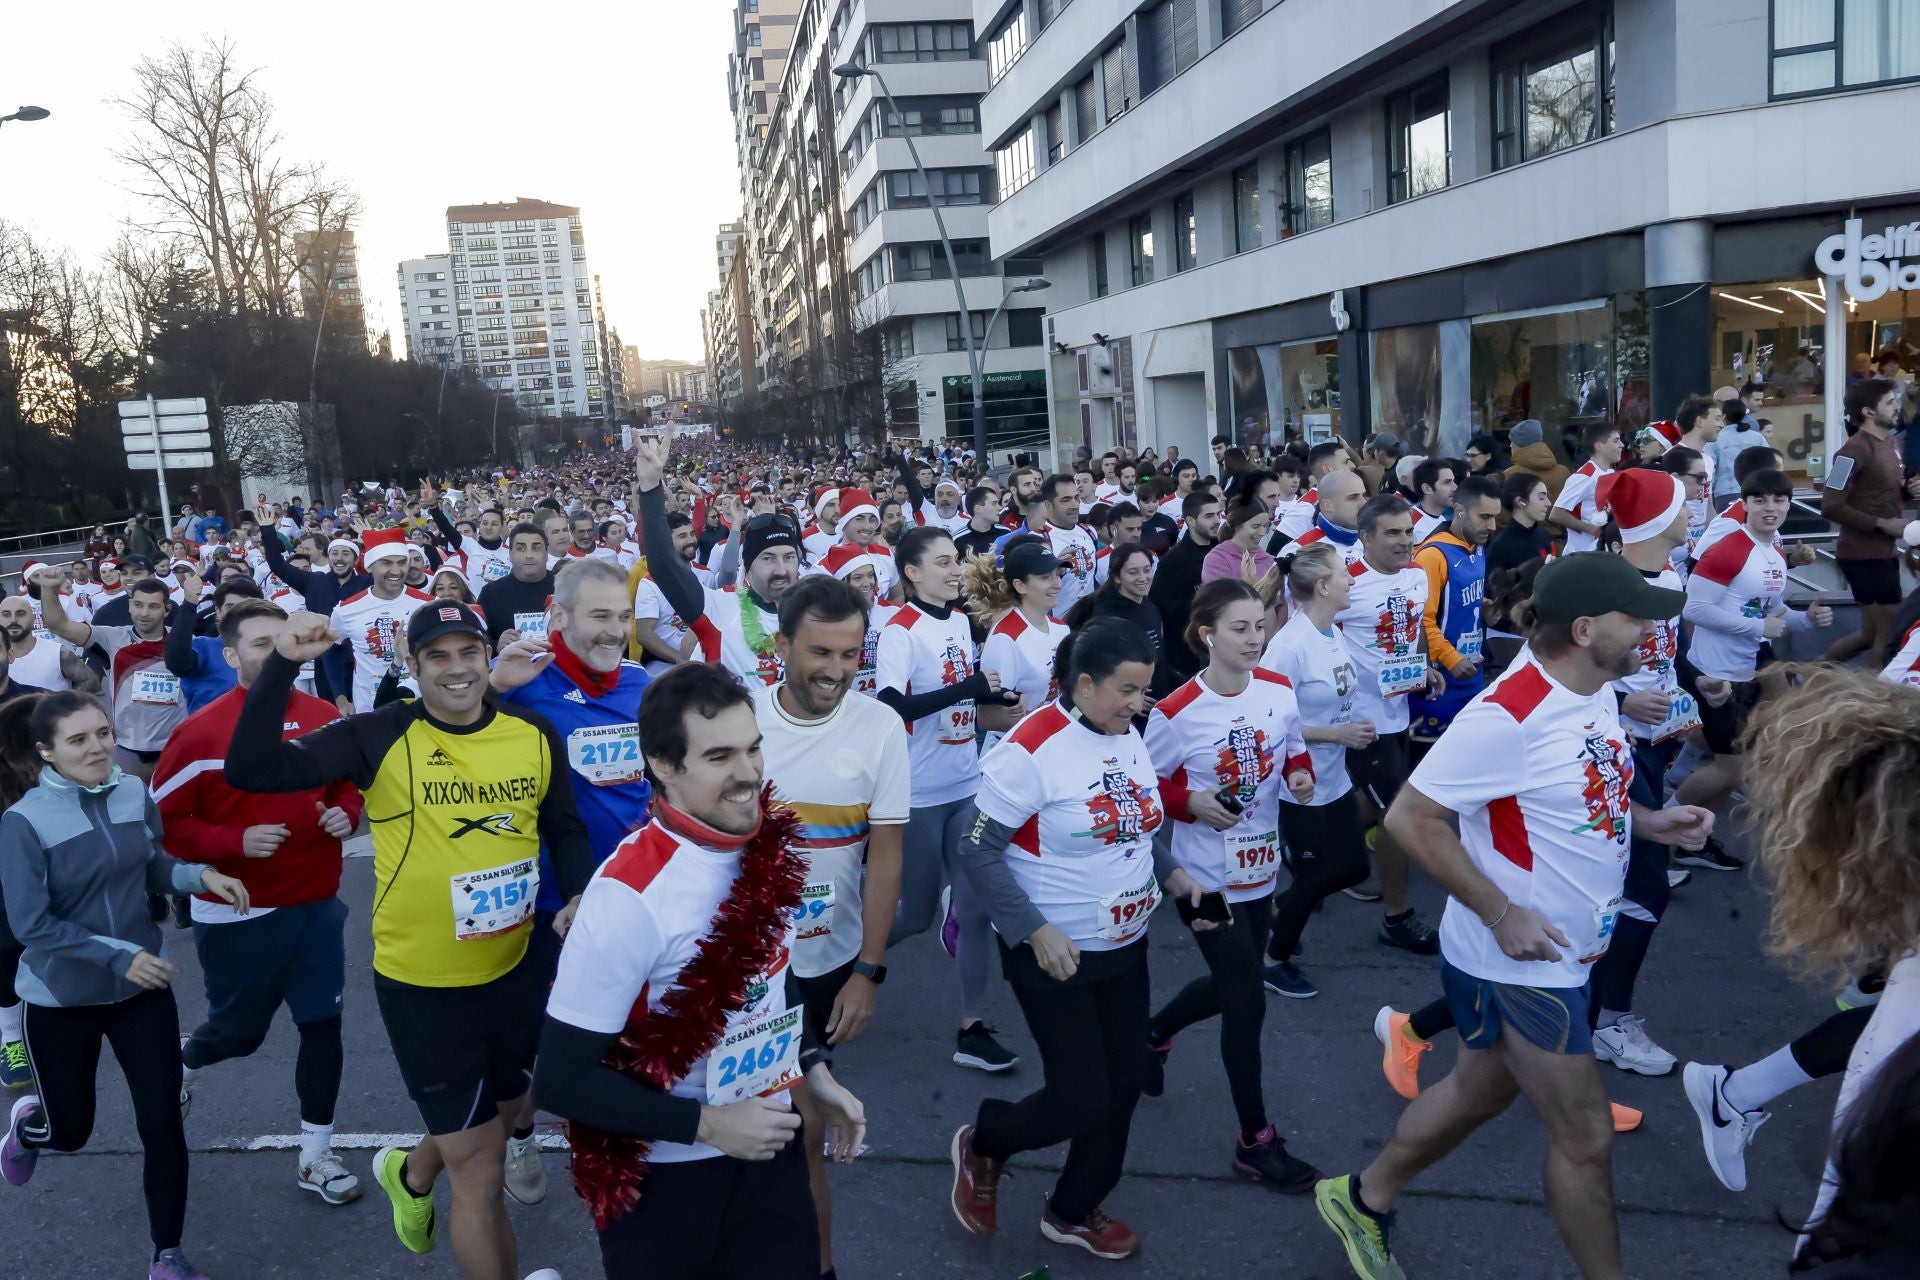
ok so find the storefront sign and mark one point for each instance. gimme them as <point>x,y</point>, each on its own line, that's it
<point>1872,264</point>
<point>1342,320</point>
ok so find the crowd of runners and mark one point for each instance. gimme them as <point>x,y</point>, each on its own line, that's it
<point>663,753</point>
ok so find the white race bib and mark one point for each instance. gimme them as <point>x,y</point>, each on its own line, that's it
<point>606,755</point>
<point>1604,919</point>
<point>1403,674</point>
<point>1252,858</point>
<point>495,900</point>
<point>956,724</point>
<point>494,570</point>
<point>1120,916</point>
<point>813,918</point>
<point>758,1057</point>
<point>156,685</point>
<point>1683,716</point>
<point>1469,646</point>
<point>531,626</point>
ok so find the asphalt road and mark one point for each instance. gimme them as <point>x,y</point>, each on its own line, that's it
<point>1708,993</point>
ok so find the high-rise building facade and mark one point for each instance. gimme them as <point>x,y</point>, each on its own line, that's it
<point>524,305</point>
<point>426,309</point>
<point>1288,220</point>
<point>330,280</point>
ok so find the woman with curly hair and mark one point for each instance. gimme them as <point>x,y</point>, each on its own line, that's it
<point>1829,780</point>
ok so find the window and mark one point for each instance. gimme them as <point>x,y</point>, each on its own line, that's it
<point>922,41</point>
<point>753,35</point>
<point>896,341</point>
<point>1140,247</point>
<point>1007,44</point>
<point>1100,264</point>
<point>1169,35</point>
<point>1246,208</point>
<point>1552,89</point>
<point>1117,70</point>
<point>1309,195</point>
<point>928,261</point>
<point>905,190</point>
<point>1874,41</point>
<point>1418,146</point>
<point>1086,112</point>
<point>1186,234</point>
<point>1023,328</point>
<point>955,342</point>
<point>1235,14</point>
<point>1014,163</point>
<point>1056,134</point>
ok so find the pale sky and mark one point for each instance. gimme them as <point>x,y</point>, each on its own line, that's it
<point>621,109</point>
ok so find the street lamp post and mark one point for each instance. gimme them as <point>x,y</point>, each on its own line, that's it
<point>975,353</point>
<point>26,115</point>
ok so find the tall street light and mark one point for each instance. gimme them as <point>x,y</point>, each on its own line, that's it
<point>27,115</point>
<point>853,71</point>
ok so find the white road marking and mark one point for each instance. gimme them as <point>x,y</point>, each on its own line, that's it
<point>549,1139</point>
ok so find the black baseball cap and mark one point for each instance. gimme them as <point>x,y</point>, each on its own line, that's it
<point>1028,558</point>
<point>439,618</point>
<point>1587,584</point>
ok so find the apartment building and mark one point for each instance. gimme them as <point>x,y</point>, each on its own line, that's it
<point>1290,219</point>
<point>330,279</point>
<point>756,68</point>
<point>426,309</point>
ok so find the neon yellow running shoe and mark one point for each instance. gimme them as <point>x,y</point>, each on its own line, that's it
<point>412,1215</point>
<point>1364,1235</point>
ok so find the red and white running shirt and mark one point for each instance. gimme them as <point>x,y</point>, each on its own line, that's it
<point>723,638</point>
<point>1021,654</point>
<point>1084,806</point>
<point>1538,775</point>
<point>1905,667</point>
<point>369,624</point>
<point>919,653</point>
<point>1381,625</point>
<point>1577,499</point>
<point>1296,517</point>
<point>1202,740</point>
<point>639,925</point>
<point>1320,668</point>
<point>867,681</point>
<point>1657,669</point>
<point>1734,589</point>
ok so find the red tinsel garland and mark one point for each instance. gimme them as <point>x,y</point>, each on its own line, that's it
<point>664,1044</point>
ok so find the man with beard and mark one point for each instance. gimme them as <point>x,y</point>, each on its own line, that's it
<point>148,703</point>
<point>368,622</point>
<point>488,559</point>
<point>1520,934</point>
<point>577,678</point>
<point>38,661</point>
<point>851,817</point>
<point>658,632</point>
<point>675,1033</point>
<point>736,628</point>
<point>321,590</point>
<point>460,1000</point>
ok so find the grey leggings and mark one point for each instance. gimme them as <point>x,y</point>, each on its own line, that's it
<point>930,856</point>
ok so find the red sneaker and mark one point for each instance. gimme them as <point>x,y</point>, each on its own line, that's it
<point>976,1186</point>
<point>1099,1235</point>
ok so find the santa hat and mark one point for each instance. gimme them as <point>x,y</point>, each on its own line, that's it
<point>456,571</point>
<point>844,558</point>
<point>821,498</point>
<point>854,502</point>
<point>382,543</point>
<point>1644,503</point>
<point>1666,431</point>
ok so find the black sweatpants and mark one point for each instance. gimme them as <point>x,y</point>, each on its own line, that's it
<point>719,1219</point>
<point>1092,1032</point>
<point>1232,989</point>
<point>1326,852</point>
<point>64,1048</point>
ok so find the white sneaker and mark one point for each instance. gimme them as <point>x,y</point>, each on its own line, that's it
<point>1724,1132</point>
<point>526,1179</point>
<point>327,1177</point>
<point>1677,876</point>
<point>1625,1044</point>
<point>544,1273</point>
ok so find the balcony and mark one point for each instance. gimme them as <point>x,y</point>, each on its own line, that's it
<point>910,80</point>
<point>937,151</point>
<point>901,226</point>
<point>929,297</point>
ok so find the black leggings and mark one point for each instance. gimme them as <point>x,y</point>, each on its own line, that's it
<point>316,1069</point>
<point>1326,853</point>
<point>64,1048</point>
<point>1824,1050</point>
<point>1231,988</point>
<point>1090,1031</point>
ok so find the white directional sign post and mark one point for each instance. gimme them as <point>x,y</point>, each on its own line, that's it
<point>158,434</point>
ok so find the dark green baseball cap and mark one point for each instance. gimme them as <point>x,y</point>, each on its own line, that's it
<point>1587,584</point>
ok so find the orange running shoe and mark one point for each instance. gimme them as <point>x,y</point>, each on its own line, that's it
<point>1400,1052</point>
<point>1625,1119</point>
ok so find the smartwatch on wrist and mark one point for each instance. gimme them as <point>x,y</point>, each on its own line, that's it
<point>874,973</point>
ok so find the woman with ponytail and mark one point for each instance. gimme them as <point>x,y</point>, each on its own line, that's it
<point>1014,605</point>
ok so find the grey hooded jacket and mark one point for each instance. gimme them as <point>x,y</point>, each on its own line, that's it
<point>76,866</point>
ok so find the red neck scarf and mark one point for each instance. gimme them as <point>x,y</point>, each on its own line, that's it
<point>659,1046</point>
<point>597,684</point>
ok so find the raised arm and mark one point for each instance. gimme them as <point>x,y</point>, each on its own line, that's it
<point>676,582</point>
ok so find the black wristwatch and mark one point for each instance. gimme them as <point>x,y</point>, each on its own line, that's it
<point>874,973</point>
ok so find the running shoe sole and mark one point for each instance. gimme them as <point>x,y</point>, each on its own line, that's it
<point>1310,993</point>
<point>1048,1230</point>
<point>394,1194</point>
<point>1339,1221</point>
<point>1297,1187</point>
<point>1607,1055</point>
<point>17,1160</point>
<point>981,1064</point>
<point>345,1198</point>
